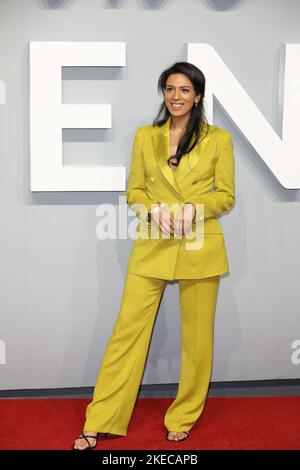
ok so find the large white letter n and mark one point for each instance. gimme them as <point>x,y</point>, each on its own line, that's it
<point>281,155</point>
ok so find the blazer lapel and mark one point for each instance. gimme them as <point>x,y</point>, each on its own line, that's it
<point>190,160</point>
<point>161,141</point>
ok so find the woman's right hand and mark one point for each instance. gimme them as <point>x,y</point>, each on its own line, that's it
<point>163,219</point>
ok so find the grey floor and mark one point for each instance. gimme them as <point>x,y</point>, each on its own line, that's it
<point>257,388</point>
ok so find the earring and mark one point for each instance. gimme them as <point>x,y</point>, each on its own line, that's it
<point>196,103</point>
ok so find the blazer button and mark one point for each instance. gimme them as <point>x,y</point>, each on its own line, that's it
<point>152,179</point>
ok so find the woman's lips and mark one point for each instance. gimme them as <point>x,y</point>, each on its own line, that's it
<point>176,106</point>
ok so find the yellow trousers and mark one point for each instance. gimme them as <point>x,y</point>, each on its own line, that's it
<point>123,364</point>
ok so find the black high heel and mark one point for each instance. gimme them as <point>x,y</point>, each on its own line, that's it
<point>85,436</point>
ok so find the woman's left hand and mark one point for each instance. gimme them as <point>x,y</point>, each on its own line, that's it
<point>183,221</point>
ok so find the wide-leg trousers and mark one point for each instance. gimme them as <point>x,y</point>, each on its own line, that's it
<point>124,360</point>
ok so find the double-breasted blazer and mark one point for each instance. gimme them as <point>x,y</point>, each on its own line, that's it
<point>204,176</point>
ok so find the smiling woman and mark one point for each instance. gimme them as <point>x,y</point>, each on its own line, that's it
<point>179,131</point>
<point>181,97</point>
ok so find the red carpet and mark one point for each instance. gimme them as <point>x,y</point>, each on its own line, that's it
<point>226,423</point>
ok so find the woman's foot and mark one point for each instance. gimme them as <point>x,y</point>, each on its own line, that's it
<point>177,436</point>
<point>89,441</point>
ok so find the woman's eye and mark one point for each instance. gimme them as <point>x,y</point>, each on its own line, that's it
<point>184,89</point>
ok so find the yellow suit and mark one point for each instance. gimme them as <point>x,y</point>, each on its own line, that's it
<point>152,181</point>
<point>151,264</point>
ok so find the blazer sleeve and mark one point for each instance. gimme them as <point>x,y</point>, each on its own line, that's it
<point>136,195</point>
<point>222,197</point>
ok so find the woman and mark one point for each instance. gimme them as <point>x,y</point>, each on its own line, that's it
<point>174,164</point>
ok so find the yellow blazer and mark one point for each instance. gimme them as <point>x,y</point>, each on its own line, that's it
<point>204,176</point>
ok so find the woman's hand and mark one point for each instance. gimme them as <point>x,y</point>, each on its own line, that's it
<point>163,219</point>
<point>184,220</point>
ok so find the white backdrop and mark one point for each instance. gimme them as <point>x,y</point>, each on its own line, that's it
<point>61,286</point>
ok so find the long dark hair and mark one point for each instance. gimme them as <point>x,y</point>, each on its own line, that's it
<point>197,117</point>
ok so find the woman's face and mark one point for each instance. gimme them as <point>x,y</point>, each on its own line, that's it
<point>179,90</point>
